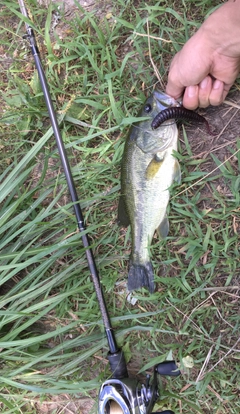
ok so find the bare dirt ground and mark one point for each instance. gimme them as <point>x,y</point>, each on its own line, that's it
<point>224,124</point>
<point>69,9</point>
<point>66,405</point>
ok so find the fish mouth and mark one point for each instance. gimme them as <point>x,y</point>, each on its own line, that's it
<point>163,100</point>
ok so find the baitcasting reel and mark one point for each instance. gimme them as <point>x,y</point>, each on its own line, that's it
<point>129,396</point>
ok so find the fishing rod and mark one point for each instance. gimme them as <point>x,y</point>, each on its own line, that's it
<point>120,394</point>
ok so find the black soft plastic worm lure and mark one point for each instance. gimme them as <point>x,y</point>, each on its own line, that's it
<point>178,112</point>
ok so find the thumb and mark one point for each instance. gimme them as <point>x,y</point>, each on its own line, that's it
<point>188,67</point>
<point>174,87</point>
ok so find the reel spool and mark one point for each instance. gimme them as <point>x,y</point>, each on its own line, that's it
<point>129,396</point>
<point>115,408</point>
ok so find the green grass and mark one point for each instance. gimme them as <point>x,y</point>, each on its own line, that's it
<point>51,339</point>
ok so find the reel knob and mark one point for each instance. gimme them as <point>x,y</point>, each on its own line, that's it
<point>164,412</point>
<point>168,368</point>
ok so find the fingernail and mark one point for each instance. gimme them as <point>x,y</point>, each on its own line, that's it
<point>192,91</point>
<point>217,84</point>
<point>204,83</point>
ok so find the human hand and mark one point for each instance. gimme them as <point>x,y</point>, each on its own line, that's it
<point>208,64</point>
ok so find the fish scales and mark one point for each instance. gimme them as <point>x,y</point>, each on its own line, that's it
<point>148,170</point>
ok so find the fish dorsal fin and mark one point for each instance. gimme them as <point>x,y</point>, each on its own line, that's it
<point>123,218</point>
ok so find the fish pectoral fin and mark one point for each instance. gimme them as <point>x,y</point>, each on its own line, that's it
<point>122,217</point>
<point>177,172</point>
<point>163,228</point>
<point>153,167</point>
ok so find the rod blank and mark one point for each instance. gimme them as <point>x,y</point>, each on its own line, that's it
<point>71,186</point>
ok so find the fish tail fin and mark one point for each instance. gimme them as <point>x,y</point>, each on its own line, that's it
<point>141,275</point>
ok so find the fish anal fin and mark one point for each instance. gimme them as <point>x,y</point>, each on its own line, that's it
<point>122,218</point>
<point>163,228</point>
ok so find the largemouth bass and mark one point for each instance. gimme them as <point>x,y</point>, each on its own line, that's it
<point>148,170</point>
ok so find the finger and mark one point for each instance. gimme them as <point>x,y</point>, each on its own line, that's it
<point>216,96</point>
<point>174,90</point>
<point>174,87</point>
<point>205,88</point>
<point>190,97</point>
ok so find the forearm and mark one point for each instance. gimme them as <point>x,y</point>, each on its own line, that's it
<point>222,29</point>
<point>208,64</point>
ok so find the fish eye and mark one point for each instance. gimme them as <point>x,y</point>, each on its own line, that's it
<point>147,108</point>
